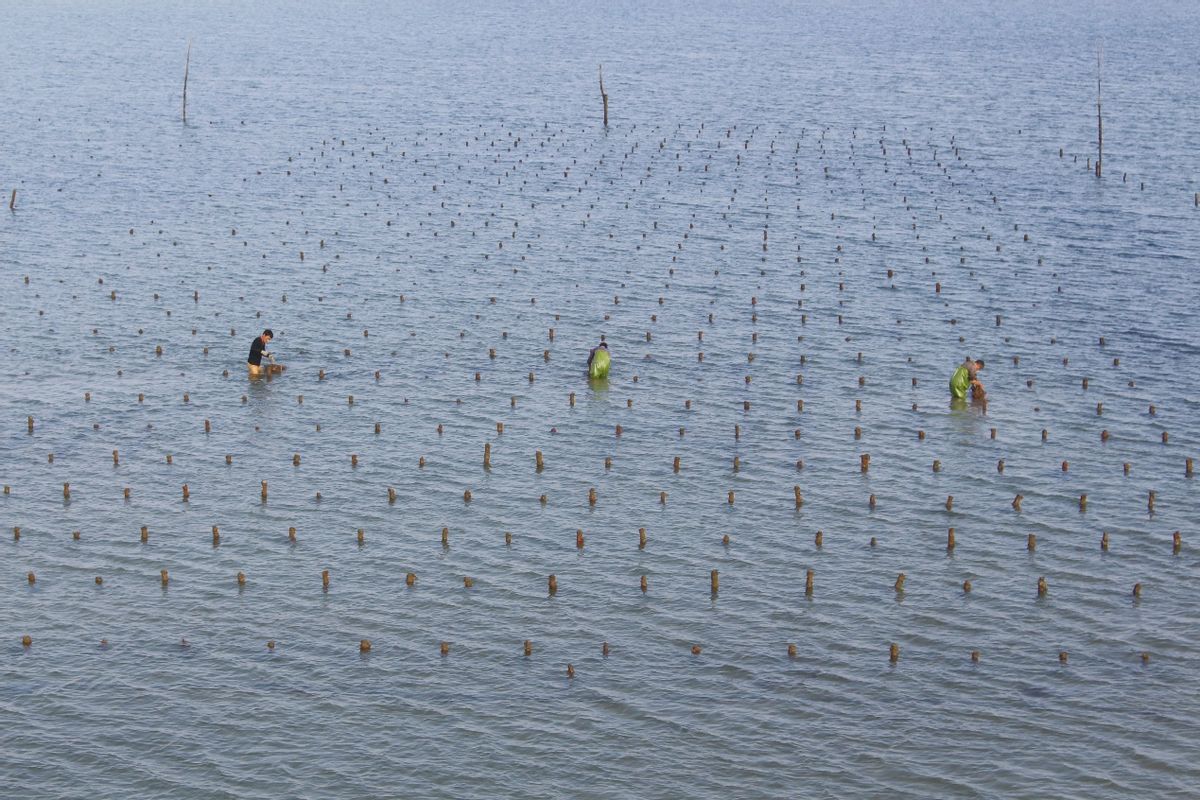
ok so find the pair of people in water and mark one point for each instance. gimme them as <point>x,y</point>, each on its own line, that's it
<point>598,359</point>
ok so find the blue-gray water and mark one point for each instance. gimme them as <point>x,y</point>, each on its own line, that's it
<point>453,164</point>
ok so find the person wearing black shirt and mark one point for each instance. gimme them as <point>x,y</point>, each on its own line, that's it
<point>258,349</point>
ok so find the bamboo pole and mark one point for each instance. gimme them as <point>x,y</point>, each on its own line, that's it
<point>1099,119</point>
<point>186,65</point>
<point>603,95</point>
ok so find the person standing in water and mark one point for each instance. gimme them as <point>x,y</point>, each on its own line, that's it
<point>598,361</point>
<point>965,378</point>
<point>258,349</point>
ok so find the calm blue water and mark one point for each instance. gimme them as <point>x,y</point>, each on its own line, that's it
<point>445,174</point>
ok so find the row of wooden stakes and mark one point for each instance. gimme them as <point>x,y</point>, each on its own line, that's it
<point>410,579</point>
<point>677,462</point>
<point>365,646</point>
<point>593,497</point>
<point>818,541</point>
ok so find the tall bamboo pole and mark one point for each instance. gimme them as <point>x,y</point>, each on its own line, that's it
<point>186,65</point>
<point>603,95</point>
<point>1099,120</point>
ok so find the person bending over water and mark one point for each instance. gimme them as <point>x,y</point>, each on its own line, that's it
<point>258,349</point>
<point>598,361</point>
<point>966,378</point>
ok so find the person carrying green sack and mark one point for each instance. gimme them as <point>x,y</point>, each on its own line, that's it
<point>967,377</point>
<point>598,361</point>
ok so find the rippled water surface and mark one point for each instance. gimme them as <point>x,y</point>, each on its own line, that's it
<point>799,220</point>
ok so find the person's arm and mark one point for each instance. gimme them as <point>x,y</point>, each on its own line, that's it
<point>591,355</point>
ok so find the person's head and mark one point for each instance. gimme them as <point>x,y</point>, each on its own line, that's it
<point>268,335</point>
<point>978,364</point>
<point>604,345</point>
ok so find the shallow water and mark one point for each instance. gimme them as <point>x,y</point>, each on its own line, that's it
<point>468,200</point>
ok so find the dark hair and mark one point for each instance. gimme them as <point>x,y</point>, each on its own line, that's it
<point>269,332</point>
<point>979,363</point>
<point>604,345</point>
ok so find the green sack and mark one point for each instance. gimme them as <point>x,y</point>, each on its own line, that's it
<point>600,363</point>
<point>959,383</point>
